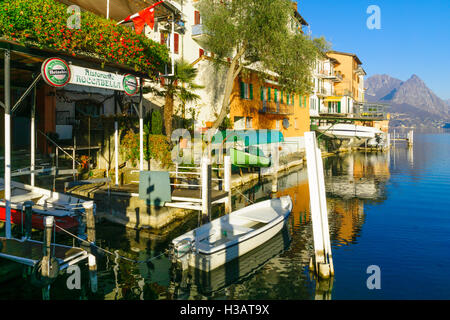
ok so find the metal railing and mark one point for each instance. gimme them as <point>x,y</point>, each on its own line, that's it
<point>276,108</point>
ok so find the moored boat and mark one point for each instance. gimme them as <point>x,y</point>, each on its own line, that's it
<point>345,131</point>
<point>250,157</point>
<point>65,208</point>
<point>233,235</point>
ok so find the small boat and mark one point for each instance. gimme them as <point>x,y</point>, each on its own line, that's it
<point>231,236</point>
<point>248,158</point>
<point>65,208</point>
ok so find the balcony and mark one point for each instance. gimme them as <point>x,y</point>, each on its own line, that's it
<point>269,107</point>
<point>330,75</point>
<point>198,31</point>
<point>324,92</point>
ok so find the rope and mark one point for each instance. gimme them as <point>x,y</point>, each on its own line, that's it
<point>244,196</point>
<point>109,252</point>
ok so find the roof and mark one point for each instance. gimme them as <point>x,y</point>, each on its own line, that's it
<point>346,54</point>
<point>120,9</point>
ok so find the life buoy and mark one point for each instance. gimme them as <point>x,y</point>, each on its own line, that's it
<point>36,275</point>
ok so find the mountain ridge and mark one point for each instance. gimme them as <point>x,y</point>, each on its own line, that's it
<point>412,102</point>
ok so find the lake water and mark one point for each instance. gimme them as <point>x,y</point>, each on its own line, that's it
<point>388,209</point>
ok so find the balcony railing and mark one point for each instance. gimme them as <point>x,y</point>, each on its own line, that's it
<point>197,30</point>
<point>324,92</point>
<point>270,107</point>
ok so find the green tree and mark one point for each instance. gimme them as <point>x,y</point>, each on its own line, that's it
<point>180,86</point>
<point>258,33</point>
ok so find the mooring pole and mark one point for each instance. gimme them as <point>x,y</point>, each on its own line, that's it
<point>7,143</point>
<point>323,263</point>
<point>33,136</point>
<point>206,190</point>
<point>276,166</point>
<point>227,182</point>
<point>49,221</point>
<point>116,151</point>
<point>141,128</point>
<point>92,261</point>
<point>28,218</point>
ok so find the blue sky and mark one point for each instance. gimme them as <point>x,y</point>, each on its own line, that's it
<point>414,37</point>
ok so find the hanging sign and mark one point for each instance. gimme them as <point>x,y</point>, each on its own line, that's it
<point>130,84</point>
<point>56,72</point>
<point>102,79</point>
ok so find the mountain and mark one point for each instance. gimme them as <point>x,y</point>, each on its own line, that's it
<point>412,102</point>
<point>380,85</point>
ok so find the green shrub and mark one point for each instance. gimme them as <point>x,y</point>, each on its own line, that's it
<point>43,24</point>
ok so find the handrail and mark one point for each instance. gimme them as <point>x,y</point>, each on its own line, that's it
<point>58,146</point>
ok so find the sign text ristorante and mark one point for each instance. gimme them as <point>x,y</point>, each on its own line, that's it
<point>58,73</point>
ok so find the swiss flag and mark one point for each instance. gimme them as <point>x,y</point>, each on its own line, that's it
<point>145,16</point>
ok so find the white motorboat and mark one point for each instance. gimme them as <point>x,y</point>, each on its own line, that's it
<point>346,131</point>
<point>233,235</point>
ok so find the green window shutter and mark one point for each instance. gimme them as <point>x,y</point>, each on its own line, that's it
<point>251,91</point>
<point>339,107</point>
<point>293,99</point>
<point>262,93</point>
<point>281,97</point>
<point>268,94</point>
<point>276,95</point>
<point>305,101</point>
<point>242,90</point>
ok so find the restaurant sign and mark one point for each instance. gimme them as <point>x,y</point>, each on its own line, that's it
<point>56,72</point>
<point>101,79</point>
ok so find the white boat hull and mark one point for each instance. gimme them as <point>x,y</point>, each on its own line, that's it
<point>347,131</point>
<point>233,234</point>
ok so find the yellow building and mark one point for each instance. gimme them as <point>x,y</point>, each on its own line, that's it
<point>261,104</point>
<point>351,88</point>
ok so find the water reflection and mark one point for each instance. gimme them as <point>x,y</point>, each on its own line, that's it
<point>279,269</point>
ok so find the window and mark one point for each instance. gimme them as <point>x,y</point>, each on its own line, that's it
<point>176,41</point>
<point>278,125</point>
<point>90,108</point>
<point>275,98</point>
<point>293,99</point>
<point>248,123</point>
<point>281,100</point>
<point>164,37</point>
<point>246,90</point>
<point>239,123</point>
<point>197,17</point>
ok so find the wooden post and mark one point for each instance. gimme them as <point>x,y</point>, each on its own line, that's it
<point>410,138</point>
<point>323,263</point>
<point>206,190</point>
<point>141,128</point>
<point>33,137</point>
<point>46,247</point>
<point>28,218</point>
<point>7,74</point>
<point>90,223</point>
<point>276,166</point>
<point>227,182</point>
<point>116,150</point>
<point>73,154</point>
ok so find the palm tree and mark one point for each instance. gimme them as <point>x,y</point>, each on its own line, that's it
<point>179,85</point>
